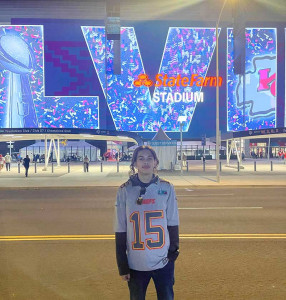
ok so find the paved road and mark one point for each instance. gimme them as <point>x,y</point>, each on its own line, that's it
<point>232,244</point>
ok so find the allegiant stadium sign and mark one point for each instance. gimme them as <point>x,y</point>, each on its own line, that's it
<point>178,81</point>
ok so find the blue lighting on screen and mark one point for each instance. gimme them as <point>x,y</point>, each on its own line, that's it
<point>187,51</point>
<point>23,103</point>
<point>251,99</point>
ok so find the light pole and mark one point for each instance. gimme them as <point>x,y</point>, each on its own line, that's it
<point>181,119</point>
<point>10,146</point>
<point>217,99</point>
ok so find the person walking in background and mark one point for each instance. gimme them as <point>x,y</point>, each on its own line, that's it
<point>252,154</point>
<point>243,155</point>
<point>85,163</point>
<point>184,159</point>
<point>8,159</point>
<point>1,162</point>
<point>26,164</point>
<point>116,156</point>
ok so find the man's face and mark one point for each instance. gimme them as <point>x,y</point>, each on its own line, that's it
<point>145,162</point>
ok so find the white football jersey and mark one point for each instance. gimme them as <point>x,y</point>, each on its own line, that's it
<point>146,224</point>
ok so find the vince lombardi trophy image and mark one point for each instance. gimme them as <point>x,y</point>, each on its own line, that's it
<point>17,58</point>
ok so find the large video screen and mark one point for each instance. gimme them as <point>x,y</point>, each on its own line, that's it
<point>60,75</point>
<point>251,98</point>
<point>23,103</point>
<point>187,52</point>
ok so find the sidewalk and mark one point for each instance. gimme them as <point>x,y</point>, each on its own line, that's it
<point>60,177</point>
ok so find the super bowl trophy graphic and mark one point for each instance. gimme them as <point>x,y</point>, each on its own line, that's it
<point>17,57</point>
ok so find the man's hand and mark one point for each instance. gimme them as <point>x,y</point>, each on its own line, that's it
<point>125,277</point>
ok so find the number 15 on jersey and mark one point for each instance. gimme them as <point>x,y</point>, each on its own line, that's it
<point>150,243</point>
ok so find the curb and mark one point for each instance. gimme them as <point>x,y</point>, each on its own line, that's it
<point>244,186</point>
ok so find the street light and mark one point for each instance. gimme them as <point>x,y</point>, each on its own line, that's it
<point>217,99</point>
<point>10,146</point>
<point>181,119</point>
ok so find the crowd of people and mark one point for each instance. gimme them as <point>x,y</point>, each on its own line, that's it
<point>260,154</point>
<point>282,154</point>
<point>112,155</point>
<point>7,159</point>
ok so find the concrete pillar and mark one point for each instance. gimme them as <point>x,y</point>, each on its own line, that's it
<point>46,154</point>
<point>227,150</point>
<point>59,154</point>
<point>246,148</point>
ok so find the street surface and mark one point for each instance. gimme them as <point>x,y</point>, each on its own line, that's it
<point>59,244</point>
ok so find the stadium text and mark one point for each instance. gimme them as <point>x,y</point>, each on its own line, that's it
<point>178,97</point>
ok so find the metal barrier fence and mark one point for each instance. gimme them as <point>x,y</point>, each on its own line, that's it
<point>265,166</point>
<point>190,167</point>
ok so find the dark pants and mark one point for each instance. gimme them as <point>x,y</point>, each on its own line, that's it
<point>86,167</point>
<point>7,166</point>
<point>26,171</point>
<point>163,280</point>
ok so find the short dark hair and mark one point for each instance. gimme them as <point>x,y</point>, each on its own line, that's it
<point>135,155</point>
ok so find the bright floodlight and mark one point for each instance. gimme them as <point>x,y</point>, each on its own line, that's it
<point>182,119</point>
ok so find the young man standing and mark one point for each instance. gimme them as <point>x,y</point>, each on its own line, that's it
<point>147,228</point>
